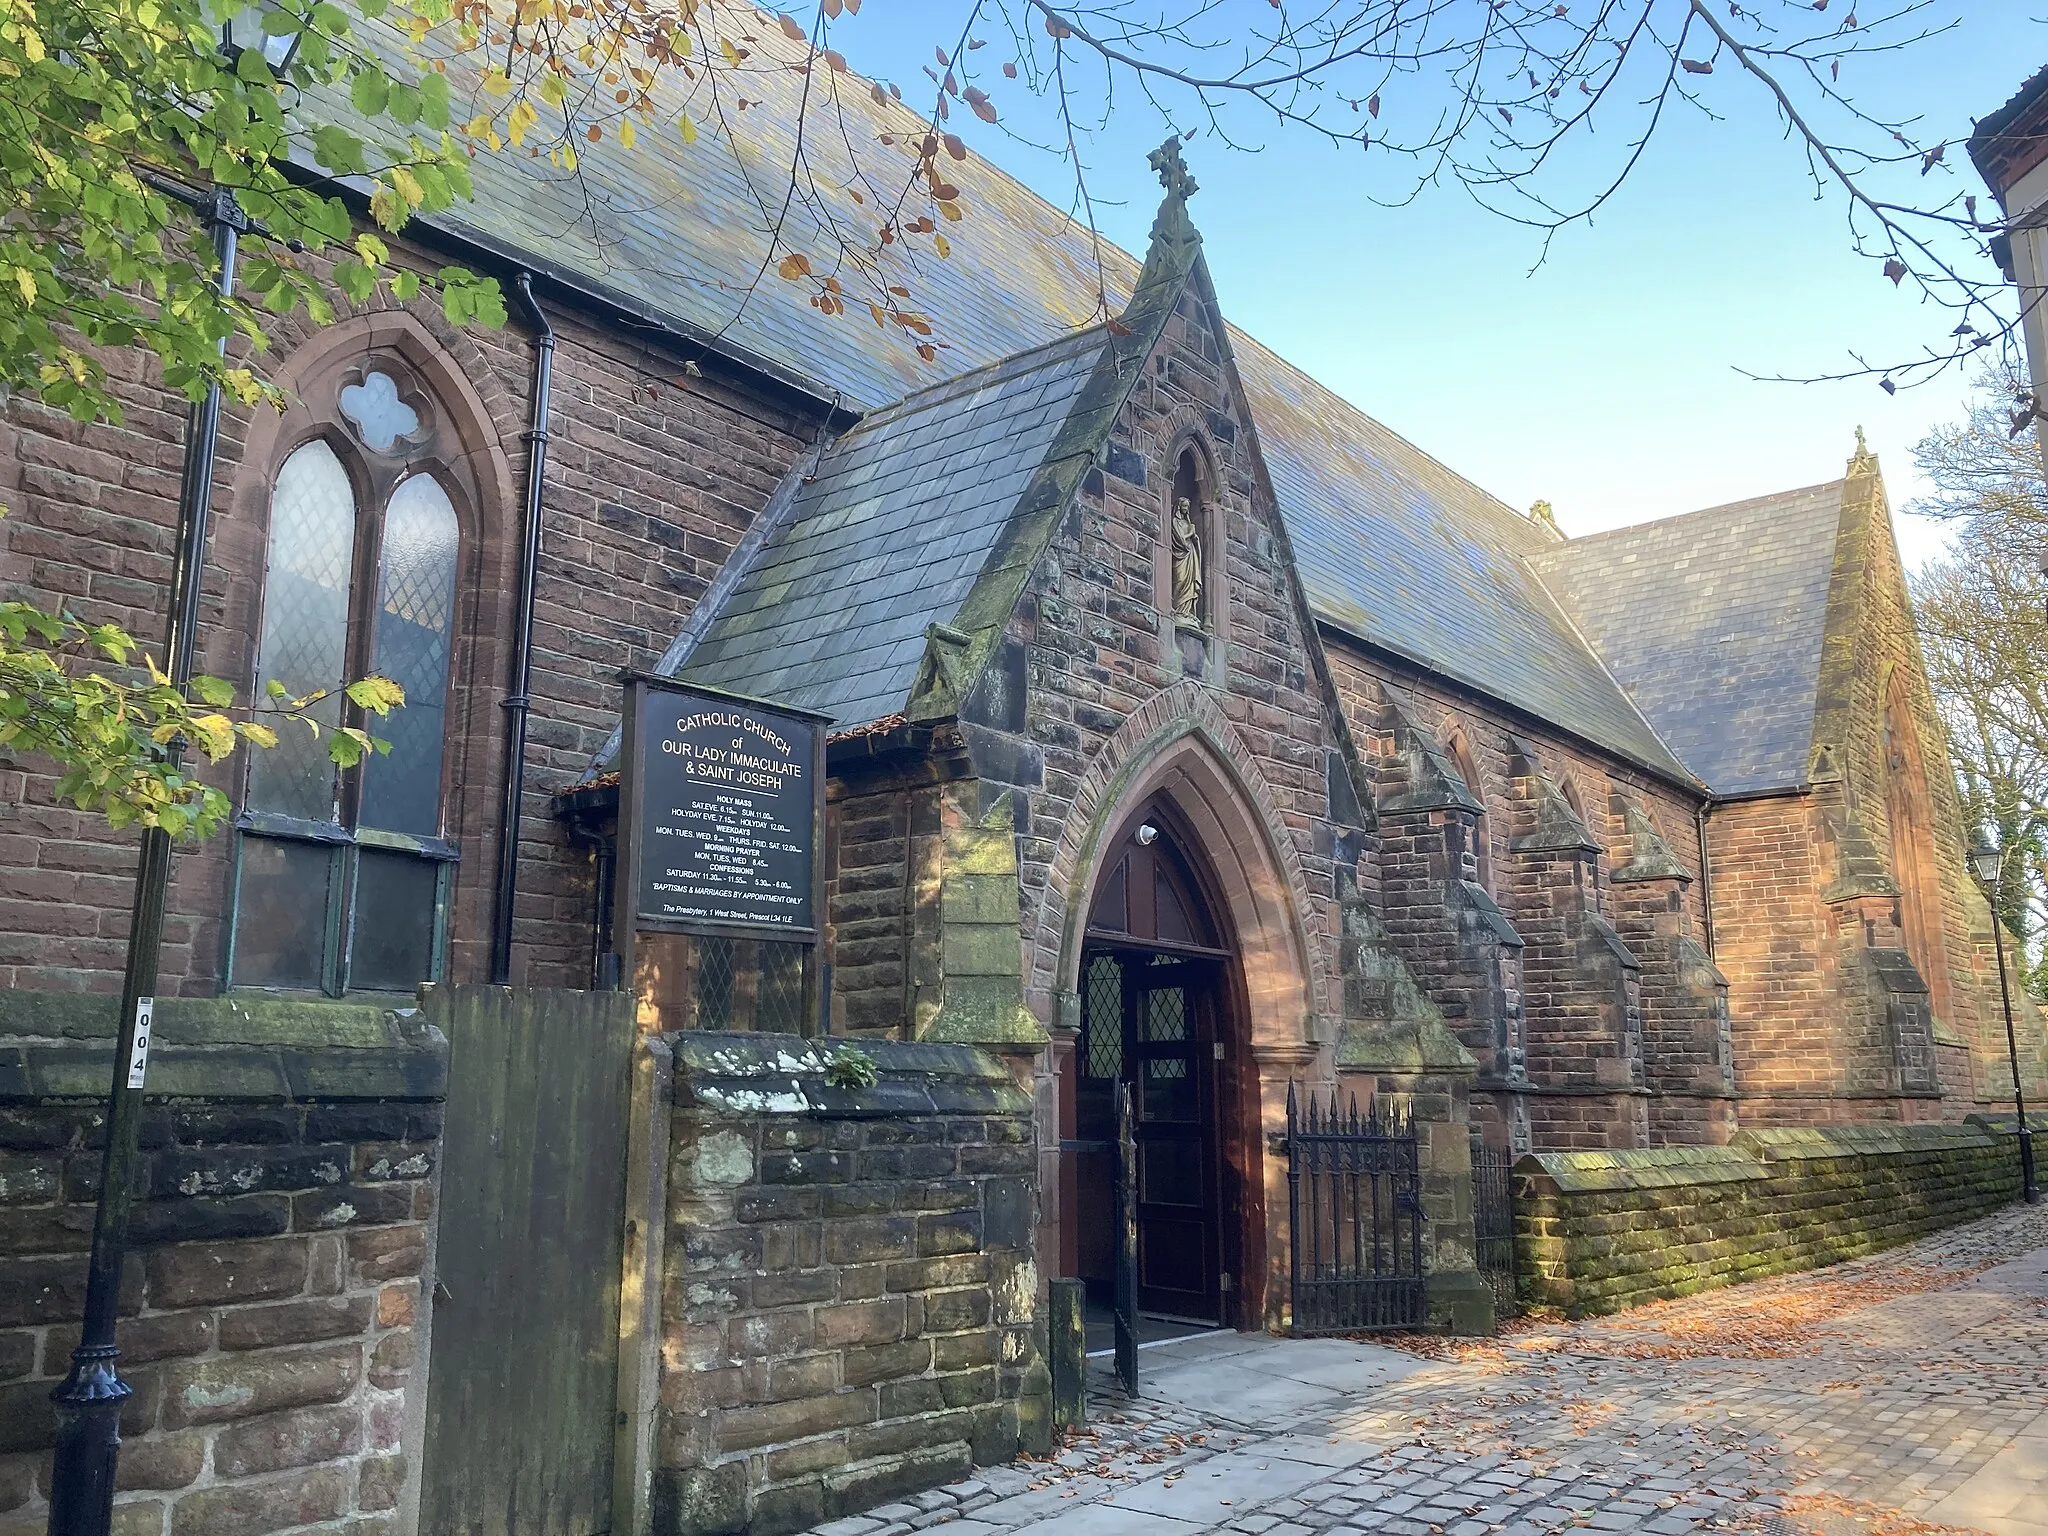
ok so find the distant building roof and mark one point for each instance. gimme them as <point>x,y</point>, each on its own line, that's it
<point>1713,622</point>
<point>2011,141</point>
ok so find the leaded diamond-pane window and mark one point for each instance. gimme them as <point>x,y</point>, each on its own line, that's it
<point>415,610</point>
<point>342,876</point>
<point>304,646</point>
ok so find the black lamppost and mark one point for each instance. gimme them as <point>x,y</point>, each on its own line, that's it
<point>89,1398</point>
<point>1986,859</point>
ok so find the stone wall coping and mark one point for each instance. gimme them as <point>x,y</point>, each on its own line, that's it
<point>763,1074</point>
<point>225,1049</point>
<point>1748,1153</point>
<point>1782,1144</point>
<point>236,1019</point>
<point>1642,1168</point>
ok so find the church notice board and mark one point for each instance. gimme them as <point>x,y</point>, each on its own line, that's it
<point>721,812</point>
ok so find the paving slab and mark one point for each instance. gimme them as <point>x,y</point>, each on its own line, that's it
<point>1903,1392</point>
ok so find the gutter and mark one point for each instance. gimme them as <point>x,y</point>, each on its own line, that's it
<point>518,704</point>
<point>1699,824</point>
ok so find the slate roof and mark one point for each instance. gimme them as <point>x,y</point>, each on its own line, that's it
<point>1404,554</point>
<point>1396,549</point>
<point>1713,622</point>
<point>888,536</point>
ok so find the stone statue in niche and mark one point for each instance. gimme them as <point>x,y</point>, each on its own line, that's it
<point>1187,562</point>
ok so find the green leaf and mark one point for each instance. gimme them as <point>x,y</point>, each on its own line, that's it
<point>369,91</point>
<point>273,689</point>
<point>214,691</point>
<point>339,150</point>
<point>345,748</point>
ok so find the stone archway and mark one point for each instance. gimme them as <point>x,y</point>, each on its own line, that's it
<point>1179,750</point>
<point>1179,744</point>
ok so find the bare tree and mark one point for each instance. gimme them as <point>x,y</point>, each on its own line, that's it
<point>1983,616</point>
<point>1540,111</point>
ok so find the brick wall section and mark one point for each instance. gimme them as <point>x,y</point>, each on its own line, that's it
<point>1688,1061</point>
<point>653,475</point>
<point>1597,1232</point>
<point>850,1297</point>
<point>1539,992</point>
<point>273,1281</point>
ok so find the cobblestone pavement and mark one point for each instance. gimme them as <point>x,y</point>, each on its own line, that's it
<point>1904,1394</point>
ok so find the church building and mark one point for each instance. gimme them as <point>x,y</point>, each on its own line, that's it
<point>1188,729</point>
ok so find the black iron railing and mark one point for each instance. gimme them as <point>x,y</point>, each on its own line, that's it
<point>1493,1221</point>
<point>1354,1217</point>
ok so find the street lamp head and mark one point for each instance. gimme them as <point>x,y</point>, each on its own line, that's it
<point>243,32</point>
<point>1985,859</point>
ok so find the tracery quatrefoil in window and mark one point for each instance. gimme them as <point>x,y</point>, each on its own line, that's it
<point>380,417</point>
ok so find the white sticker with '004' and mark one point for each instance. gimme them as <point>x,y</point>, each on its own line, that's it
<point>138,1059</point>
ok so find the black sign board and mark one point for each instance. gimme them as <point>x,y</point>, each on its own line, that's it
<point>721,805</point>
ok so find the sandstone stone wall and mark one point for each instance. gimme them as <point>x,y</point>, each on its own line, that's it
<point>270,1303</point>
<point>850,1301</point>
<point>654,472</point>
<point>1502,894</point>
<point>1600,1231</point>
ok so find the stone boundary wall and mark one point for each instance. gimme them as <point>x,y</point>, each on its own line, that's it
<point>850,1301</point>
<point>1601,1231</point>
<point>284,1198</point>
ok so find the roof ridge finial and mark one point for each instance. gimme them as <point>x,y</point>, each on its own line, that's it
<point>1175,240</point>
<point>1541,515</point>
<point>1863,461</point>
<point>1173,171</point>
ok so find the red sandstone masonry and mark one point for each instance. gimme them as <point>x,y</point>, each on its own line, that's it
<point>271,1295</point>
<point>652,478</point>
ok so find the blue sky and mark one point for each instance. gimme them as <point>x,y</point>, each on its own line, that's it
<point>1607,380</point>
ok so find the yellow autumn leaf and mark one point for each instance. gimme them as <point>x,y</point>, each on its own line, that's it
<point>687,129</point>
<point>497,82</point>
<point>518,120</point>
<point>626,133</point>
<point>942,245</point>
<point>408,186</point>
<point>732,54</point>
<point>25,280</point>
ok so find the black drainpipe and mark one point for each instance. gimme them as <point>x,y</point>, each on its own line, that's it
<point>518,705</point>
<point>1699,822</point>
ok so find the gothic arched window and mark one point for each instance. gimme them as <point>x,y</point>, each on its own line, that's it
<point>1482,853</point>
<point>341,876</point>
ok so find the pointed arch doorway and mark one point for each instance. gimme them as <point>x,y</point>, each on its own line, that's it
<point>1162,1011</point>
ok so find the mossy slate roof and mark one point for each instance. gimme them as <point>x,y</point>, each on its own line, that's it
<point>1396,550</point>
<point>1713,623</point>
<point>888,536</point>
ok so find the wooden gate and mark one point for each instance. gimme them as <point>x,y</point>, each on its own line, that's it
<point>522,1391</point>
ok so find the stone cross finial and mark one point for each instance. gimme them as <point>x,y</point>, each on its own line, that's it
<point>1863,461</point>
<point>1173,171</point>
<point>1540,514</point>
